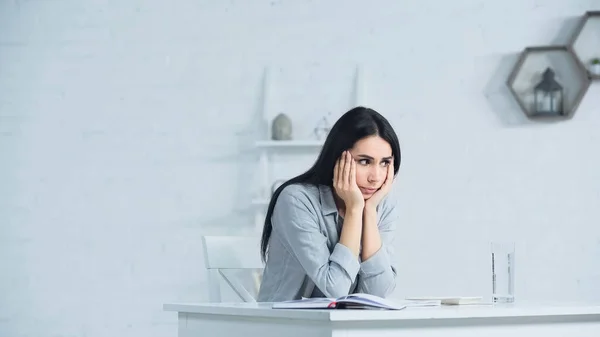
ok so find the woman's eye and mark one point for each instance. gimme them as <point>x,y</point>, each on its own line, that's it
<point>363,162</point>
<point>385,163</point>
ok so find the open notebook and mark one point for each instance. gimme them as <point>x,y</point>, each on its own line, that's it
<point>352,301</point>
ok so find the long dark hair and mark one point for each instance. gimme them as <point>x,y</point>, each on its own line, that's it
<point>354,125</point>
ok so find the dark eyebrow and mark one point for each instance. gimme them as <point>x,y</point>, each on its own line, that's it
<point>371,158</point>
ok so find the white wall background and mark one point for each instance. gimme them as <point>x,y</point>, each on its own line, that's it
<point>125,131</point>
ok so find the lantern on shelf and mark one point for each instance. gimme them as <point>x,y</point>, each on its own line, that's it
<point>548,95</point>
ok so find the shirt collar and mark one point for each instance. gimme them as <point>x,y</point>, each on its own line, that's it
<point>327,202</point>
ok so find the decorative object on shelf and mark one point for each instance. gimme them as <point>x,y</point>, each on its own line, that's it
<point>281,128</point>
<point>568,61</point>
<point>585,43</point>
<point>322,129</point>
<point>595,66</point>
<point>544,100</point>
<point>548,95</point>
<point>276,185</point>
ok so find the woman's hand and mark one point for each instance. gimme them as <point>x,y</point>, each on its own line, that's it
<point>344,182</point>
<point>376,198</point>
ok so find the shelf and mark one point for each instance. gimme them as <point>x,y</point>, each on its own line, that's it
<point>289,144</point>
<point>528,72</point>
<point>586,41</point>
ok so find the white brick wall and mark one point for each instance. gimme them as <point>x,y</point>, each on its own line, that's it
<point>124,132</point>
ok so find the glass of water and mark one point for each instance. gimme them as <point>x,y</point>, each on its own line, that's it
<point>503,272</point>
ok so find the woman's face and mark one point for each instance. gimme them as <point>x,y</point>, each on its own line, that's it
<point>373,155</point>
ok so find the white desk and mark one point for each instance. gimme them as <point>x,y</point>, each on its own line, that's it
<point>249,320</point>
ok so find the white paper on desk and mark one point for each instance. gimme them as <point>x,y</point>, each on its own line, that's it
<point>421,302</point>
<point>457,300</point>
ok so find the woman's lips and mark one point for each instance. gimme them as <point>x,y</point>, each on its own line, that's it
<point>368,190</point>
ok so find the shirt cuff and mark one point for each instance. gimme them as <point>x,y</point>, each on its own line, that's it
<point>344,257</point>
<point>377,264</point>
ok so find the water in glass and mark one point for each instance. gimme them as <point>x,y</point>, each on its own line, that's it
<point>503,272</point>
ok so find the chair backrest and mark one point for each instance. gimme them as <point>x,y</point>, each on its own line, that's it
<point>222,253</point>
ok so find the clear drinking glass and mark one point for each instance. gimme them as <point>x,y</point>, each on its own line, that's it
<point>503,272</point>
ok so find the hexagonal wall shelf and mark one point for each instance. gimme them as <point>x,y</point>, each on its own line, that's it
<point>559,65</point>
<point>586,43</point>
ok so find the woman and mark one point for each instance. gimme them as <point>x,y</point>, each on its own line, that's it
<point>329,231</point>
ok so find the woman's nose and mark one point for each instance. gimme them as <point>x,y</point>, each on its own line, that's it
<point>375,175</point>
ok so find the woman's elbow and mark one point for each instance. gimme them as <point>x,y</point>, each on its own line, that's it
<point>390,289</point>
<point>337,288</point>
<point>381,289</point>
<point>391,285</point>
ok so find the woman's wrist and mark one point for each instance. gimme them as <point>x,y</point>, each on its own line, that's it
<point>370,209</point>
<point>354,210</point>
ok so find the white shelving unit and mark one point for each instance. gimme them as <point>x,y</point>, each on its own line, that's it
<point>263,195</point>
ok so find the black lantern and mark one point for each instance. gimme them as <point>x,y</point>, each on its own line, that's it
<point>548,95</point>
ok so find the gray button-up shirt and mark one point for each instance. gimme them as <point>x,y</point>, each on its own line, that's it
<point>305,258</point>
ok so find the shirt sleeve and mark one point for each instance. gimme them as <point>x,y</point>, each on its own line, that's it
<point>295,221</point>
<point>377,275</point>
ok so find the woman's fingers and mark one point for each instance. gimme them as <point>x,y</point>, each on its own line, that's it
<point>341,171</point>
<point>336,173</point>
<point>344,172</point>
<point>390,174</point>
<point>340,178</point>
<point>352,172</point>
<point>347,169</point>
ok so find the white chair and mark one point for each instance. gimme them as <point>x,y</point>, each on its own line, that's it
<point>222,253</point>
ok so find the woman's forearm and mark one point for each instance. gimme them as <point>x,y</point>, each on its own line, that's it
<point>371,240</point>
<point>352,230</point>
